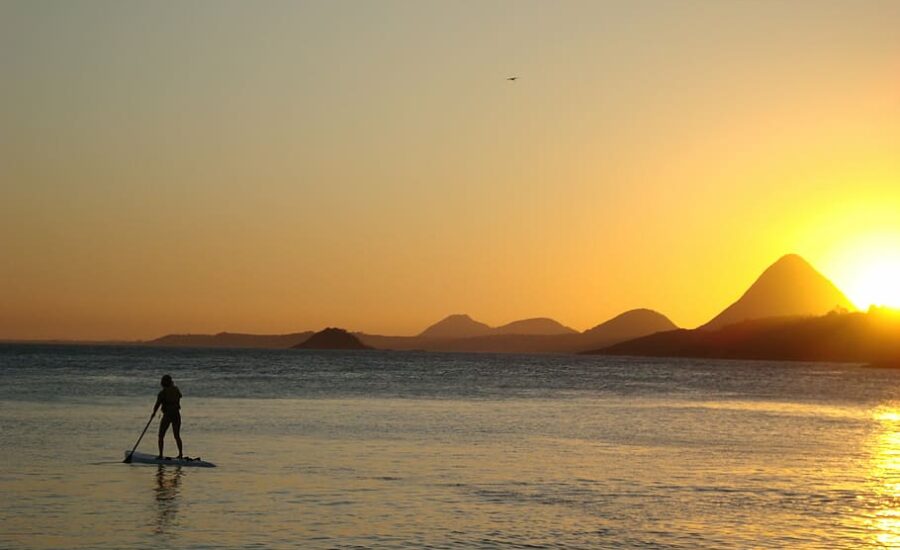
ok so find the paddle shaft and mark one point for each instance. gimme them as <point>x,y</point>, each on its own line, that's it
<point>128,458</point>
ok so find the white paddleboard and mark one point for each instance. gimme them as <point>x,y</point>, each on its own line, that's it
<point>142,458</point>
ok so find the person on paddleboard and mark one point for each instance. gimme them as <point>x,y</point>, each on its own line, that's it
<point>170,401</point>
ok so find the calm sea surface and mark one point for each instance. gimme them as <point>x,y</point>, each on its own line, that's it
<point>416,450</point>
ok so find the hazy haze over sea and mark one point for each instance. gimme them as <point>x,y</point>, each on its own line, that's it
<point>414,450</point>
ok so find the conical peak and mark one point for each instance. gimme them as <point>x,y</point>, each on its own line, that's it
<point>791,270</point>
<point>790,286</point>
<point>790,262</point>
<point>792,257</point>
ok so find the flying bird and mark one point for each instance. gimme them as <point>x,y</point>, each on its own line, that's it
<point>513,78</point>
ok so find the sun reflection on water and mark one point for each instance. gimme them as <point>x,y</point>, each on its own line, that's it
<point>884,518</point>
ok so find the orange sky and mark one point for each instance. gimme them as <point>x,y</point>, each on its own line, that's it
<point>279,167</point>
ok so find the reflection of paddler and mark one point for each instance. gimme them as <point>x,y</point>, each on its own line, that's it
<point>170,401</point>
<point>167,486</point>
<point>167,481</point>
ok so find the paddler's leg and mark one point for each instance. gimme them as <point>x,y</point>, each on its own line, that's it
<point>163,426</point>
<point>176,431</point>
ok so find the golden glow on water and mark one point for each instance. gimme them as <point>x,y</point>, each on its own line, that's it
<point>887,415</point>
<point>884,521</point>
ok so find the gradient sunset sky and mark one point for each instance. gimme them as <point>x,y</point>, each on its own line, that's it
<point>282,166</point>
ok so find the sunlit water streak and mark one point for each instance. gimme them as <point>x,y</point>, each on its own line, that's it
<point>407,450</point>
<point>883,518</point>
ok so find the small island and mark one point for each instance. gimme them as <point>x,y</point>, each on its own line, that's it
<point>332,338</point>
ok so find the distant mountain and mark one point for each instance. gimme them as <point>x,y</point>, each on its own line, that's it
<point>454,333</point>
<point>788,287</point>
<point>455,326</point>
<point>332,338</point>
<point>538,325</point>
<point>631,324</point>
<point>231,340</point>
<point>872,337</point>
<point>532,336</point>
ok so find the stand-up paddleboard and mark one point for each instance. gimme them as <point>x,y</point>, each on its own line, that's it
<point>142,458</point>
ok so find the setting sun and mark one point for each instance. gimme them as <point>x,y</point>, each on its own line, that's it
<point>877,283</point>
<point>871,273</point>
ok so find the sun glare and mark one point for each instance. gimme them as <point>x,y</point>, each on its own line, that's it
<point>875,280</point>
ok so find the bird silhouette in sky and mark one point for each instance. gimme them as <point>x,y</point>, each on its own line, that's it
<point>512,78</point>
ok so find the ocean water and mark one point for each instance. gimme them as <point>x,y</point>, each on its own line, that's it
<point>425,450</point>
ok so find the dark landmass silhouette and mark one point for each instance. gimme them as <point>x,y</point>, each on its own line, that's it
<point>332,338</point>
<point>628,324</point>
<point>231,340</point>
<point>855,337</point>
<point>455,326</point>
<point>789,287</point>
<point>557,339</point>
<point>537,325</point>
<point>536,335</point>
<point>791,312</point>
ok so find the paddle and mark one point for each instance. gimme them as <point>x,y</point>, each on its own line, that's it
<point>128,458</point>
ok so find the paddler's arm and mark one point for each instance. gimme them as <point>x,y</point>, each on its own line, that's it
<point>156,407</point>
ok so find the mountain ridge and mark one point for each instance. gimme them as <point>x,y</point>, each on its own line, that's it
<point>871,337</point>
<point>788,287</point>
<point>627,325</point>
<point>534,326</point>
